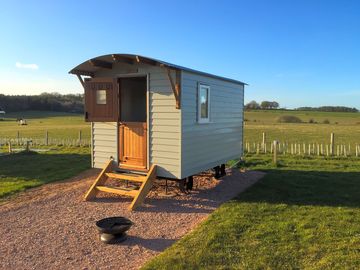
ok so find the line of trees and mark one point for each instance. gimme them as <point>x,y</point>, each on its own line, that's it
<point>264,105</point>
<point>273,105</point>
<point>328,109</point>
<point>43,102</point>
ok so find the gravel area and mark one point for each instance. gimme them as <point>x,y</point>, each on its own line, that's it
<point>51,227</point>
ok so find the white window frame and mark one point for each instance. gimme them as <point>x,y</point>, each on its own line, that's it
<point>202,120</point>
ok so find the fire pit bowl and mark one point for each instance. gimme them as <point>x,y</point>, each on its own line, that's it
<point>112,229</point>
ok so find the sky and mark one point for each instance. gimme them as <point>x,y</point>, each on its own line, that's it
<point>299,53</point>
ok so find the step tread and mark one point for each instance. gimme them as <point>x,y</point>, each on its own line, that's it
<point>121,170</point>
<point>127,176</point>
<point>118,190</point>
<point>124,188</point>
<point>132,168</point>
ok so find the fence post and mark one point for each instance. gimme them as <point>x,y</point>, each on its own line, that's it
<point>46,138</point>
<point>27,149</point>
<point>10,148</point>
<point>275,152</point>
<point>327,150</point>
<point>332,146</point>
<point>304,149</point>
<point>263,140</point>
<point>80,137</point>
<point>322,150</point>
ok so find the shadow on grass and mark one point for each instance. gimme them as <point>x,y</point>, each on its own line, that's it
<point>297,187</point>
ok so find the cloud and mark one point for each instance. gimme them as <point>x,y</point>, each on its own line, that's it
<point>27,66</point>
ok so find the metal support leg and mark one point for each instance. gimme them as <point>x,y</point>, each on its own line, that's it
<point>182,183</point>
<point>190,183</point>
<point>217,172</point>
<point>166,186</point>
<point>222,170</point>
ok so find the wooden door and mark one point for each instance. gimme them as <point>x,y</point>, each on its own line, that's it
<point>101,100</point>
<point>133,144</point>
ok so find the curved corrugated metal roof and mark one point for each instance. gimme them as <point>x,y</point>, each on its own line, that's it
<point>92,65</point>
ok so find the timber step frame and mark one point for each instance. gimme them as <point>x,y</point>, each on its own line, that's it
<point>139,194</point>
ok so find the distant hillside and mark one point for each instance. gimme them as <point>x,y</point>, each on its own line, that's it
<point>45,102</point>
<point>328,109</point>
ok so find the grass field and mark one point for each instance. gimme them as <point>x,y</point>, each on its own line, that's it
<point>304,214</point>
<point>59,125</point>
<point>21,171</point>
<point>346,127</point>
<point>25,170</point>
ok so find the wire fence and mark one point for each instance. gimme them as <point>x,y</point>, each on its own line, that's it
<point>46,140</point>
<point>304,149</point>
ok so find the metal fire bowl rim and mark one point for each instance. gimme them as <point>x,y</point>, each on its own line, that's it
<point>114,225</point>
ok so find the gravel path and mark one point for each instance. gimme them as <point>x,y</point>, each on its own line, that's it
<point>50,227</point>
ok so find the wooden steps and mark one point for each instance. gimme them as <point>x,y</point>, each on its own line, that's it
<point>138,192</point>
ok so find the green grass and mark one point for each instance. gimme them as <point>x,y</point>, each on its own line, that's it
<point>304,214</point>
<point>346,130</point>
<point>59,125</point>
<point>67,125</point>
<point>26,170</point>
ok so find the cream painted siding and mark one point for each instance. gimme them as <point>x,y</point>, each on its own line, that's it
<point>164,124</point>
<point>207,145</point>
<point>164,120</point>
<point>177,143</point>
<point>104,143</point>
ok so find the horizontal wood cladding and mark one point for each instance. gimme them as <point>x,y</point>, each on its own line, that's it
<point>164,121</point>
<point>165,135</point>
<point>207,145</point>
<point>164,124</point>
<point>104,142</point>
<point>172,115</point>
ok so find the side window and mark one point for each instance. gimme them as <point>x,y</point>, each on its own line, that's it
<point>101,97</point>
<point>203,105</point>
